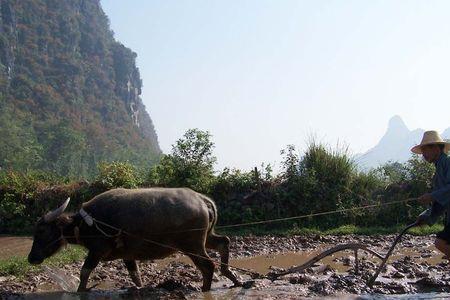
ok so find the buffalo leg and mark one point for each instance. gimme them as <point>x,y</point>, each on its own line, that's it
<point>90,263</point>
<point>222,245</point>
<point>133,270</point>
<point>204,263</point>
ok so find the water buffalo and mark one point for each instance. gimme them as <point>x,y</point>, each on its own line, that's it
<point>156,222</point>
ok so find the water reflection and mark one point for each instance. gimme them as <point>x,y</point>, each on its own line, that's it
<point>230,294</point>
<point>426,296</point>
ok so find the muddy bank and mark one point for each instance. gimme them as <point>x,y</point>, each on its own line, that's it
<point>14,246</point>
<point>415,267</point>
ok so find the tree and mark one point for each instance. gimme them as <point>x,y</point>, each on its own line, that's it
<point>65,150</point>
<point>392,172</point>
<point>189,165</point>
<point>19,148</point>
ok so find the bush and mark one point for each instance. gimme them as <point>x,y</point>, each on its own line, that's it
<point>189,165</point>
<point>17,194</point>
<point>228,190</point>
<point>322,183</point>
<point>319,180</point>
<point>117,174</point>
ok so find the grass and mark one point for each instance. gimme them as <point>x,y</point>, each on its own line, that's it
<point>376,230</point>
<point>19,266</point>
<point>351,229</point>
<point>342,230</point>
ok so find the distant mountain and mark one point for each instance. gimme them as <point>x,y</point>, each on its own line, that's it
<point>69,92</point>
<point>395,145</point>
<point>446,134</point>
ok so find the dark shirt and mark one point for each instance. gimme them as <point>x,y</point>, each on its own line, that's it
<point>441,189</point>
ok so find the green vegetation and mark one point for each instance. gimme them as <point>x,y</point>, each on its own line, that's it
<point>318,180</point>
<point>19,266</point>
<point>69,93</point>
<point>341,230</point>
<point>190,164</point>
<point>24,197</point>
<point>118,174</point>
<point>375,230</point>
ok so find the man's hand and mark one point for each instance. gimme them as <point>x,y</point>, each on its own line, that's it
<point>425,199</point>
<point>424,217</point>
<point>421,221</point>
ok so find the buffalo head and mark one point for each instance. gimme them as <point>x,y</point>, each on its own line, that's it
<point>48,237</point>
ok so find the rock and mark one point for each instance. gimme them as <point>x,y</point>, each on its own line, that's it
<point>316,238</point>
<point>398,288</point>
<point>301,279</point>
<point>388,269</point>
<point>322,288</point>
<point>4,278</point>
<point>276,269</point>
<point>431,282</point>
<point>321,269</point>
<point>421,273</point>
<point>248,284</point>
<point>347,261</point>
<point>398,275</point>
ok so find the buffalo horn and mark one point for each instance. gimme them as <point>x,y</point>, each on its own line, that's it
<point>52,215</point>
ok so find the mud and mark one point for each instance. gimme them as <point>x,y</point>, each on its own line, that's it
<point>14,246</point>
<point>415,267</point>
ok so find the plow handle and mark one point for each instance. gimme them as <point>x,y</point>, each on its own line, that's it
<point>397,239</point>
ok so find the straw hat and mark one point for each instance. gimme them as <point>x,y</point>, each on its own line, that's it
<point>429,138</point>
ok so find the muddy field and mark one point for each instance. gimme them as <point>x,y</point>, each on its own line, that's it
<point>14,246</point>
<point>415,267</point>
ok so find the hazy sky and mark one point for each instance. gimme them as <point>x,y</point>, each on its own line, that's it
<point>263,74</point>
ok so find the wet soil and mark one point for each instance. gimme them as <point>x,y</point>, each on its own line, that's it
<point>415,267</point>
<point>14,246</point>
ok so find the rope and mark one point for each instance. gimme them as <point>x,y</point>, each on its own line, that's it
<point>294,217</point>
<point>104,233</point>
<point>246,271</point>
<point>253,274</point>
<point>317,214</point>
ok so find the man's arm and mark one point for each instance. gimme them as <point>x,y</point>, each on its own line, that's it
<point>442,195</point>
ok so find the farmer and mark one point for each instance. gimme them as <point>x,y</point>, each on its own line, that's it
<point>434,150</point>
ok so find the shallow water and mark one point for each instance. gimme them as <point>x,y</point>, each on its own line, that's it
<point>20,246</point>
<point>409,296</point>
<point>231,294</point>
<point>14,246</point>
<point>261,264</point>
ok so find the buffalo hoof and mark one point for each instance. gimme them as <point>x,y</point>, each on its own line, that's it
<point>206,289</point>
<point>248,284</point>
<point>136,279</point>
<point>83,289</point>
<point>133,289</point>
